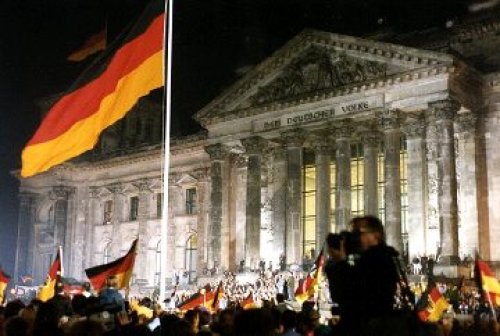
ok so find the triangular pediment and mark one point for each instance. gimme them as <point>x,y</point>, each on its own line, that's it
<point>186,180</point>
<point>315,64</point>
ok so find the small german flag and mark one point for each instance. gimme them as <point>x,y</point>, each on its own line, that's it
<point>487,283</point>
<point>202,298</point>
<point>248,302</point>
<point>433,304</point>
<point>121,268</point>
<point>48,290</point>
<point>218,294</point>
<point>131,68</point>
<point>93,44</point>
<point>308,286</point>
<point>4,281</point>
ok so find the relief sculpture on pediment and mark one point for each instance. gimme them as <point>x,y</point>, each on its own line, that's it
<point>315,71</point>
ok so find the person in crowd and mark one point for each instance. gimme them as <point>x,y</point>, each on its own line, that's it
<point>110,296</point>
<point>289,321</point>
<point>87,289</point>
<point>376,277</point>
<point>61,302</point>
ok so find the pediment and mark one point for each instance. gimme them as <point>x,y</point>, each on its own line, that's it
<point>186,180</point>
<point>315,64</point>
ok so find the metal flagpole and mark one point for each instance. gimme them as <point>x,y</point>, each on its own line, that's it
<point>166,147</point>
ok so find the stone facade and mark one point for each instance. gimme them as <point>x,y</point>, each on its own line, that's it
<point>427,124</point>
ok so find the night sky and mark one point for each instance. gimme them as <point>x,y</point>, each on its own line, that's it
<point>215,42</point>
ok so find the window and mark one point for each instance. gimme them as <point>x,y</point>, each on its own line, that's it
<point>108,212</point>
<point>106,253</point>
<point>191,200</point>
<point>159,205</point>
<point>51,217</point>
<point>158,262</point>
<point>309,204</point>
<point>357,180</point>
<point>134,208</point>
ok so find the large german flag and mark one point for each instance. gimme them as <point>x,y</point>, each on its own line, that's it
<point>120,268</point>
<point>130,69</point>
<point>203,298</point>
<point>4,281</point>
<point>488,283</point>
<point>48,290</point>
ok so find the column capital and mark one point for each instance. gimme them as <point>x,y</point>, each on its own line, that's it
<point>445,109</point>
<point>254,145</point>
<point>293,138</point>
<point>320,141</point>
<point>370,138</point>
<point>467,122</point>
<point>389,120</point>
<point>217,152</point>
<point>342,128</point>
<point>93,192</point>
<point>241,161</point>
<point>415,127</point>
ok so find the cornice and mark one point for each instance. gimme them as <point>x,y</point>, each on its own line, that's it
<point>386,82</point>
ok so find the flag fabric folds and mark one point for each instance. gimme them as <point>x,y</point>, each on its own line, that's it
<point>248,302</point>
<point>218,293</point>
<point>308,286</point>
<point>93,44</point>
<point>434,304</point>
<point>488,283</point>
<point>121,268</point>
<point>48,290</point>
<point>4,281</point>
<point>130,69</point>
<point>202,298</point>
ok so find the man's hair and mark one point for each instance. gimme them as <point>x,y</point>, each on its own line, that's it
<point>373,224</point>
<point>112,281</point>
<point>333,240</point>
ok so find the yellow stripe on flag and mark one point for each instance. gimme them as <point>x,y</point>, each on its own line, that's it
<point>47,291</point>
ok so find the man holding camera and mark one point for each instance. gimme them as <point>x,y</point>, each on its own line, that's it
<point>364,277</point>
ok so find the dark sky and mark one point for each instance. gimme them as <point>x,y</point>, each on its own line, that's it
<point>213,39</point>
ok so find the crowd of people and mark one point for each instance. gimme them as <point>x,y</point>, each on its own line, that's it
<point>365,280</point>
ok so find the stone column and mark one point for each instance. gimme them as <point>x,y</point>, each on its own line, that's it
<point>240,187</point>
<point>371,144</point>
<point>253,147</point>
<point>389,120</point>
<point>415,131</point>
<point>61,196</point>
<point>25,243</point>
<point>321,144</point>
<point>279,201</point>
<point>294,140</point>
<point>432,238</point>
<point>445,111</point>
<point>467,172</point>
<point>145,195</point>
<point>343,131</point>
<point>218,154</point>
<point>202,191</point>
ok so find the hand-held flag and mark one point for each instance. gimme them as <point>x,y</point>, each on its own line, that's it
<point>121,268</point>
<point>4,281</point>
<point>48,290</point>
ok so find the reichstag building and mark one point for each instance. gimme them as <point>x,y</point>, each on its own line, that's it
<point>327,128</point>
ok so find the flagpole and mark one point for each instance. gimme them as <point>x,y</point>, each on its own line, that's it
<point>166,147</point>
<point>61,261</point>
